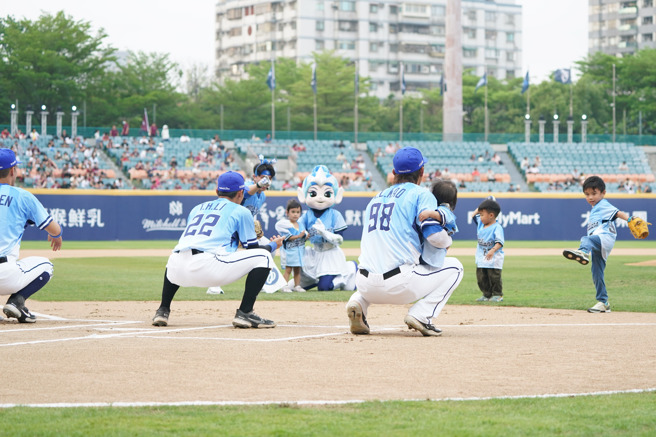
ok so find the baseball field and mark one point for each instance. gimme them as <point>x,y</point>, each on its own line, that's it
<point>535,364</point>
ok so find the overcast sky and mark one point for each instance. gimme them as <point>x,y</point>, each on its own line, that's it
<point>554,31</point>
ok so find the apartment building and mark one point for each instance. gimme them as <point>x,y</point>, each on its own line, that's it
<point>621,27</point>
<point>379,35</point>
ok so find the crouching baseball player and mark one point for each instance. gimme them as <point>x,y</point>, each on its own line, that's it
<point>392,268</point>
<point>206,254</point>
<point>18,209</point>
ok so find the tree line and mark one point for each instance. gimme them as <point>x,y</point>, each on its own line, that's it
<point>57,61</point>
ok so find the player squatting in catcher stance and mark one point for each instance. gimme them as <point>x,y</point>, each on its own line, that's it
<point>19,209</point>
<point>403,259</point>
<point>206,254</point>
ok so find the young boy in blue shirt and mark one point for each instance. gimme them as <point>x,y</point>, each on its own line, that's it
<point>489,251</point>
<point>600,238</point>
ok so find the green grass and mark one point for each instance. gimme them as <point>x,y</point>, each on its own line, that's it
<point>535,281</point>
<point>617,415</point>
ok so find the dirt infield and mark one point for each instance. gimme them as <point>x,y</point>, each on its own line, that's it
<point>98,352</point>
<point>108,352</point>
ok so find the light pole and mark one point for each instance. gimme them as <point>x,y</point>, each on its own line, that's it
<point>44,121</point>
<point>28,119</point>
<point>541,123</point>
<point>570,129</point>
<point>527,128</point>
<point>584,128</point>
<point>60,114</point>
<point>14,119</point>
<point>556,122</point>
<point>421,116</point>
<point>74,115</point>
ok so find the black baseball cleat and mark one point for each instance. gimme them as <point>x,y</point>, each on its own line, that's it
<point>357,320</point>
<point>15,307</point>
<point>251,320</point>
<point>426,329</point>
<point>161,317</point>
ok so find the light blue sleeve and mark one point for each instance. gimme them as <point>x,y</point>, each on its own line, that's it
<point>37,213</point>
<point>245,227</point>
<point>498,235</point>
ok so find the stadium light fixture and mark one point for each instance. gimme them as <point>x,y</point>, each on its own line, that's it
<point>13,106</point>
<point>555,116</point>
<point>584,117</point>
<point>527,116</point>
<point>74,108</point>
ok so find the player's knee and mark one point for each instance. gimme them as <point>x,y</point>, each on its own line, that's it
<point>326,283</point>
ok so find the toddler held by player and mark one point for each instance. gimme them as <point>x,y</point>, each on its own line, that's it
<point>293,247</point>
<point>489,251</point>
<point>600,238</point>
<point>446,194</point>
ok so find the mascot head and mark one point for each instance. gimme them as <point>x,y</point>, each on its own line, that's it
<point>320,189</point>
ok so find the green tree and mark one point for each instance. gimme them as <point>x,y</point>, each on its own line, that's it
<point>49,61</point>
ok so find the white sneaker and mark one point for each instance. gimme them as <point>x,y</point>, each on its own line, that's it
<point>215,290</point>
<point>286,289</point>
<point>299,289</point>
<point>600,307</point>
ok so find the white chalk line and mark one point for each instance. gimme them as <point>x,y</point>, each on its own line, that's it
<point>319,402</point>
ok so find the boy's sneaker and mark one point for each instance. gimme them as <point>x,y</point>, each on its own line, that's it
<point>357,320</point>
<point>600,307</point>
<point>251,320</point>
<point>426,329</point>
<point>576,255</point>
<point>299,289</point>
<point>496,299</point>
<point>161,317</point>
<point>482,299</point>
<point>15,307</point>
<point>286,289</point>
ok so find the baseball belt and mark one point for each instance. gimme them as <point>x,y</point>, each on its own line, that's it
<point>193,251</point>
<point>3,259</point>
<point>386,275</point>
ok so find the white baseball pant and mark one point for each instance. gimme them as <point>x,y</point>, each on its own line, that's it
<point>17,274</point>
<point>209,270</point>
<point>429,287</point>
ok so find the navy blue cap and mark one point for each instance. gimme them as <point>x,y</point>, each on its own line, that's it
<point>8,159</point>
<point>229,182</point>
<point>408,160</point>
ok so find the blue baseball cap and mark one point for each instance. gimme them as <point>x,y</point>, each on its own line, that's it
<point>408,160</point>
<point>229,182</point>
<point>8,159</point>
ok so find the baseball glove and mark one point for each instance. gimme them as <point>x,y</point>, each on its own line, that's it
<point>638,227</point>
<point>258,229</point>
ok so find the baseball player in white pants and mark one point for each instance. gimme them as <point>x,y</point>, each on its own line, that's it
<point>395,267</point>
<point>206,254</point>
<point>21,278</point>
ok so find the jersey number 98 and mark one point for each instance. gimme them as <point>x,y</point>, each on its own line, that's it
<point>380,216</point>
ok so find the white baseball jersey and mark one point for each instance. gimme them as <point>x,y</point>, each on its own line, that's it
<point>19,209</point>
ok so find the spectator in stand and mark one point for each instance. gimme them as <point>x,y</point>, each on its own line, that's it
<point>378,154</point>
<point>64,135</point>
<point>533,169</point>
<point>512,189</point>
<point>34,135</point>
<point>476,175</point>
<point>113,131</point>
<point>139,166</point>
<point>5,133</point>
<point>165,133</point>
<point>490,175</point>
<point>623,166</point>
<point>446,174</point>
<point>496,158</point>
<point>646,188</point>
<point>185,138</point>
<point>153,130</point>
<point>341,144</point>
<point>160,149</point>
<point>390,149</point>
<point>340,156</point>
<point>174,162</point>
<point>524,164</point>
<point>267,139</point>
<point>189,161</point>
<point>125,131</point>
<point>472,158</point>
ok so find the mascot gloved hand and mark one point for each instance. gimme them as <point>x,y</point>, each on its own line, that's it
<point>334,239</point>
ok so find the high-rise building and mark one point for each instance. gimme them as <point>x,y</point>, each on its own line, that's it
<point>379,35</point>
<point>619,27</point>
